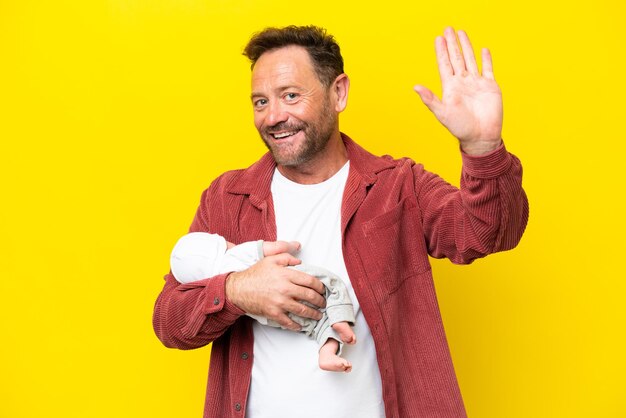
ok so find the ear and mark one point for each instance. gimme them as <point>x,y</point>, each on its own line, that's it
<point>340,88</point>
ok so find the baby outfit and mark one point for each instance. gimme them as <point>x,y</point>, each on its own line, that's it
<point>200,255</point>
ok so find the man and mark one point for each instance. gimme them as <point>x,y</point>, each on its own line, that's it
<point>373,221</point>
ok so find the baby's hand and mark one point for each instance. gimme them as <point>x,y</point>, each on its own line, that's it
<point>279,247</point>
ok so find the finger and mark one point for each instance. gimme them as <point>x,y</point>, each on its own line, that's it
<point>487,64</point>
<point>302,310</point>
<point>307,288</point>
<point>278,247</point>
<point>454,52</point>
<point>307,281</point>
<point>431,101</point>
<point>443,60</point>
<point>310,296</point>
<point>468,53</point>
<point>286,322</point>
<point>284,259</point>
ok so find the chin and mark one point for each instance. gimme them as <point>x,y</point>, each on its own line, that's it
<point>288,160</point>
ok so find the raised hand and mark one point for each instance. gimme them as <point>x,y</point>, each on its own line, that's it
<point>471,103</point>
<point>271,290</point>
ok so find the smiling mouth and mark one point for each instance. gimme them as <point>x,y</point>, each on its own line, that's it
<point>283,135</point>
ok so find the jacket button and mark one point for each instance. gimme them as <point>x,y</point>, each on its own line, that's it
<point>216,301</point>
<point>245,356</point>
<point>237,406</point>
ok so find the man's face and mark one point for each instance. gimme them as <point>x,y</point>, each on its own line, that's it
<point>292,108</point>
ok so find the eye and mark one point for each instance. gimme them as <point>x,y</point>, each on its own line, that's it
<point>259,103</point>
<point>290,97</point>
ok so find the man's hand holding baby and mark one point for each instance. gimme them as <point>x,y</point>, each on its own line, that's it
<point>269,289</point>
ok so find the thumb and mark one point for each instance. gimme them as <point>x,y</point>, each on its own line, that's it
<point>428,98</point>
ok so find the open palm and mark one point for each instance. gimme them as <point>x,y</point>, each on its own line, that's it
<point>471,103</point>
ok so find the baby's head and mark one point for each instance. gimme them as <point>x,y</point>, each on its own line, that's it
<point>197,256</point>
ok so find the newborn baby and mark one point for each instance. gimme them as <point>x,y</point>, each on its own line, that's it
<point>200,255</point>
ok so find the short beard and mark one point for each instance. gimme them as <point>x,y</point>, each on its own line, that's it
<point>317,136</point>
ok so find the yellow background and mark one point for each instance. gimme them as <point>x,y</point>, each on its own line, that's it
<point>115,115</point>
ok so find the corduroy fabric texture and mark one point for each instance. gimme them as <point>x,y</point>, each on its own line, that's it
<point>394,214</point>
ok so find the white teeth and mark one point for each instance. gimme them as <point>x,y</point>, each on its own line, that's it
<point>283,135</point>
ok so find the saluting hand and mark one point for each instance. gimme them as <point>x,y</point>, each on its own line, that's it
<point>471,103</point>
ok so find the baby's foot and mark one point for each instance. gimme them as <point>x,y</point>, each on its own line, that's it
<point>335,364</point>
<point>345,332</point>
<point>332,362</point>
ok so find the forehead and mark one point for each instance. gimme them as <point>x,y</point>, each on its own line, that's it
<point>284,66</point>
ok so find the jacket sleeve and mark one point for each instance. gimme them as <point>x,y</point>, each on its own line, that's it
<point>192,315</point>
<point>487,214</point>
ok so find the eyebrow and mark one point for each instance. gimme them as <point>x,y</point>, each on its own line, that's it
<point>279,89</point>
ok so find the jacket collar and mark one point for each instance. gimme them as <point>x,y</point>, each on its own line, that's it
<point>256,180</point>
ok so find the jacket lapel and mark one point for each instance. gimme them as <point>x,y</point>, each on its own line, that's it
<point>363,169</point>
<point>254,184</point>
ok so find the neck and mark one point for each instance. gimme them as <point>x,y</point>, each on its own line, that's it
<point>321,167</point>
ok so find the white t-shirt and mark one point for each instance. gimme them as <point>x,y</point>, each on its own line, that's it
<point>286,379</point>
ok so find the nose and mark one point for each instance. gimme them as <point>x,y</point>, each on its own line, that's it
<point>275,113</point>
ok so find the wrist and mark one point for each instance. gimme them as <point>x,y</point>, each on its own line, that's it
<point>229,305</point>
<point>478,148</point>
<point>230,288</point>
